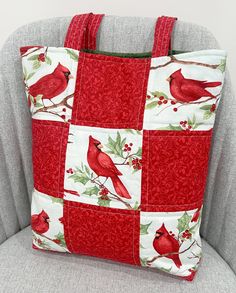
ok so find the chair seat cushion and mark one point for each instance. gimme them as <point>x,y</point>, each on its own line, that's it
<point>23,269</point>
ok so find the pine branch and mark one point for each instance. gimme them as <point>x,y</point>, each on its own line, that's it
<point>174,60</point>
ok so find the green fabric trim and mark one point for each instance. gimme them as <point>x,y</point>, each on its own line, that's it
<point>129,55</point>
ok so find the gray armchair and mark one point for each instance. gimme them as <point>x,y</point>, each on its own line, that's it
<point>23,269</point>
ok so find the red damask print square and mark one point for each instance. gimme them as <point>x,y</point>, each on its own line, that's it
<point>110,91</point>
<point>49,150</point>
<point>175,167</point>
<point>102,232</point>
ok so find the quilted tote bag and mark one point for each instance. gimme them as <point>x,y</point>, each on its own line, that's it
<point>120,147</point>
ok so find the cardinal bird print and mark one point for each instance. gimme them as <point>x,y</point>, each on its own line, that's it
<point>46,222</point>
<point>169,239</point>
<point>103,165</point>
<point>40,222</point>
<point>50,81</point>
<point>187,90</point>
<point>51,85</point>
<point>166,244</point>
<point>184,91</point>
<point>101,172</point>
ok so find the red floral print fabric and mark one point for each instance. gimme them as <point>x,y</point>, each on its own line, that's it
<point>49,149</point>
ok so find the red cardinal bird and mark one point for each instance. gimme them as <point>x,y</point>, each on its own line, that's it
<point>189,90</point>
<point>103,165</point>
<point>40,222</point>
<point>51,85</point>
<point>164,243</point>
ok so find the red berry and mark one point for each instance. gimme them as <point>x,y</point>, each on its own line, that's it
<point>125,150</point>
<point>189,127</point>
<point>129,148</point>
<point>185,122</point>
<point>131,144</point>
<point>175,109</point>
<point>57,241</point>
<point>64,109</point>
<point>63,117</point>
<point>165,102</point>
<point>139,167</point>
<point>213,107</point>
<point>159,102</point>
<point>69,120</point>
<point>181,122</point>
<point>41,57</point>
<point>173,102</point>
<point>126,145</point>
<point>148,96</point>
<point>161,98</point>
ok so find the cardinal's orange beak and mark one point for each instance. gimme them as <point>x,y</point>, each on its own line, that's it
<point>48,220</point>
<point>168,79</point>
<point>100,146</point>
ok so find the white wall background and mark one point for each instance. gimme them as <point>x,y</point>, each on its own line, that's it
<point>217,15</point>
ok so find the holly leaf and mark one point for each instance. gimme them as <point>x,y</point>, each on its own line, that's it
<point>72,55</point>
<point>48,60</point>
<point>33,57</point>
<point>207,115</point>
<point>115,146</point>
<point>183,222</point>
<point>133,131</point>
<point>91,190</point>
<point>57,200</point>
<point>144,261</point>
<point>151,105</point>
<point>141,246</point>
<point>60,237</point>
<point>87,170</point>
<point>166,270</point>
<point>158,94</point>
<point>193,121</point>
<point>222,65</point>
<point>144,228</point>
<point>171,127</point>
<point>104,203</point>
<point>38,105</point>
<point>136,206</point>
<point>197,124</point>
<point>36,64</point>
<point>80,177</point>
<point>129,130</point>
<point>139,152</point>
<point>206,107</point>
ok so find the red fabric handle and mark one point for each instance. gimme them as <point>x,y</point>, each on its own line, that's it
<point>162,36</point>
<point>92,29</point>
<point>75,37</point>
<point>82,31</point>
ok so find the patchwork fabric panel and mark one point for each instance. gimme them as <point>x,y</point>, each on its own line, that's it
<point>121,148</point>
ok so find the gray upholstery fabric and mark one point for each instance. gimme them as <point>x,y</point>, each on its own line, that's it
<point>120,34</point>
<point>24,270</point>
